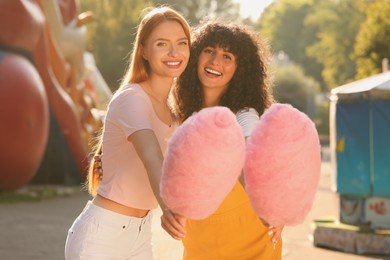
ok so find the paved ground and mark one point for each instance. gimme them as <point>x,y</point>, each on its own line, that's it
<point>37,230</point>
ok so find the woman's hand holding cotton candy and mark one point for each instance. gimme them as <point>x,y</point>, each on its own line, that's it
<point>282,168</point>
<point>203,161</point>
<point>173,224</point>
<point>275,233</point>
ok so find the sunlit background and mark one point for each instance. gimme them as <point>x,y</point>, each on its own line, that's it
<point>251,8</point>
<point>316,46</point>
<point>61,60</point>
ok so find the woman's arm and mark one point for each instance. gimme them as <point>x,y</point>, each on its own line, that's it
<point>148,149</point>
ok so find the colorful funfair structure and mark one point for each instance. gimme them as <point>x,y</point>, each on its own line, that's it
<point>52,97</point>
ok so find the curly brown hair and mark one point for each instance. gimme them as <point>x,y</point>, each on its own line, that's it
<point>250,85</point>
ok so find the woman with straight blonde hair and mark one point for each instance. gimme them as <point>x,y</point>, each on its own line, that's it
<point>116,223</point>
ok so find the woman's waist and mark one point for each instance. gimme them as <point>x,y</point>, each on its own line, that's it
<point>108,204</point>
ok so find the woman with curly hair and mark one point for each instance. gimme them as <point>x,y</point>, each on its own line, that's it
<point>228,67</point>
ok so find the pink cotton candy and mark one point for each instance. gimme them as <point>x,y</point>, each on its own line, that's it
<point>203,161</point>
<point>283,163</point>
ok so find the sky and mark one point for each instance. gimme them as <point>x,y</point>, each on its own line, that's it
<point>252,8</point>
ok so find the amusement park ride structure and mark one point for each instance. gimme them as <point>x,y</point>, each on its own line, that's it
<point>52,95</point>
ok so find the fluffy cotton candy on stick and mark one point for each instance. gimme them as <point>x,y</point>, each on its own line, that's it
<point>202,163</point>
<point>282,167</point>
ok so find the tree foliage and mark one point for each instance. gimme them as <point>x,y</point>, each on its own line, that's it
<point>292,86</point>
<point>373,39</point>
<point>283,23</point>
<point>337,24</point>
<point>318,35</point>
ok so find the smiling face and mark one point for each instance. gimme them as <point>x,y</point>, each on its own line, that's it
<point>216,67</point>
<point>167,50</point>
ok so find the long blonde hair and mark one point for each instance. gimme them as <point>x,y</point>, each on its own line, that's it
<point>138,69</point>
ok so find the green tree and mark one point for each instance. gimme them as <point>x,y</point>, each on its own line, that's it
<point>337,24</point>
<point>283,23</point>
<point>292,86</point>
<point>373,39</point>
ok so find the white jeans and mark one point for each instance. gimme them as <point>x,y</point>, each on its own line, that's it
<point>98,233</point>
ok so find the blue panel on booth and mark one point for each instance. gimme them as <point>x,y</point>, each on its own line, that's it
<point>353,157</point>
<point>381,153</point>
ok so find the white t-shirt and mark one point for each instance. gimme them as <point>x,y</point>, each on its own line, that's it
<point>247,119</point>
<point>125,178</point>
